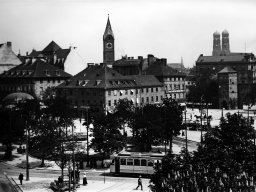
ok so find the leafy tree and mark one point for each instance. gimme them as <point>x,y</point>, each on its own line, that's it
<point>171,114</point>
<point>107,137</point>
<point>146,127</point>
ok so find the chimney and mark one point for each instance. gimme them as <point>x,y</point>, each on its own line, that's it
<point>151,59</point>
<point>140,57</point>
<point>163,62</point>
<point>9,44</point>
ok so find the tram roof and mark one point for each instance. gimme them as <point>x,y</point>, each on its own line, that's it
<point>139,154</point>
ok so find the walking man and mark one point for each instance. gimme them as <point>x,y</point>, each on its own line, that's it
<point>21,178</point>
<point>139,183</point>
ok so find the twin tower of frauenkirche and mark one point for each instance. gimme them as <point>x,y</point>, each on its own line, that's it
<point>108,45</point>
<point>217,48</point>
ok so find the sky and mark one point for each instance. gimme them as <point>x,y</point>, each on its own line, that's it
<point>171,29</point>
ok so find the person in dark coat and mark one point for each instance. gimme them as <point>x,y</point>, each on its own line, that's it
<point>139,183</point>
<point>21,178</point>
<point>84,179</point>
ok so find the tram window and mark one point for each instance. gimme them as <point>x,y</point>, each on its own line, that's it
<point>143,162</point>
<point>123,161</point>
<point>150,163</point>
<point>129,162</point>
<point>136,162</point>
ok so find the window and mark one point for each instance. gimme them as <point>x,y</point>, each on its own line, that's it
<point>131,92</point>
<point>136,162</point>
<point>142,100</point>
<point>115,102</point>
<point>136,91</point>
<point>156,98</point>
<point>123,161</point>
<point>126,92</point>
<point>143,162</point>
<point>152,90</point>
<point>129,162</point>
<point>147,99</point>
<point>146,90</point>
<point>150,163</point>
<point>109,93</point>
<point>152,99</point>
<point>41,81</point>
<point>142,90</point>
<point>156,89</point>
<point>109,102</point>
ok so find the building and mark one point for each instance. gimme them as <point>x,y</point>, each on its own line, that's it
<point>99,86</point>
<point>8,59</point>
<point>227,80</point>
<point>66,59</point>
<point>33,76</point>
<point>173,81</point>
<point>243,63</point>
<point>108,45</point>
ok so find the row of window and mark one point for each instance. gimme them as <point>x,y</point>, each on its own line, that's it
<point>174,79</point>
<point>49,81</point>
<point>134,91</point>
<point>138,162</point>
<point>176,87</point>
<point>24,88</point>
<point>151,99</point>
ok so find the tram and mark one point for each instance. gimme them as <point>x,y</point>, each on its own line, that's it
<point>135,162</point>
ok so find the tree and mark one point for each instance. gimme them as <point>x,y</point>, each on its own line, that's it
<point>171,114</point>
<point>107,137</point>
<point>223,161</point>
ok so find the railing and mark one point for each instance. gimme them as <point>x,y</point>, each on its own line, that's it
<point>15,187</point>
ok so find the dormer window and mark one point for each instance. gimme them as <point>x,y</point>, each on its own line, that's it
<point>83,83</point>
<point>46,72</point>
<point>57,73</point>
<point>97,82</point>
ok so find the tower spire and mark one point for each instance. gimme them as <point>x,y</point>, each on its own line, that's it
<point>108,29</point>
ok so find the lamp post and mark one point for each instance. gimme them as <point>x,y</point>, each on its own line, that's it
<point>27,159</point>
<point>186,129</point>
<point>87,134</point>
<point>201,119</point>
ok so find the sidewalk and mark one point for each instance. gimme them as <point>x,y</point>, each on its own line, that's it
<point>42,185</point>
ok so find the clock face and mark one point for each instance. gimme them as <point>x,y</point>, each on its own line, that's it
<point>109,45</point>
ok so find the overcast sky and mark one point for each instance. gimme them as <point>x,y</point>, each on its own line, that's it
<point>165,28</point>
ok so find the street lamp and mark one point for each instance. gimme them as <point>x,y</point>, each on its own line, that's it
<point>87,132</point>
<point>185,111</point>
<point>27,159</point>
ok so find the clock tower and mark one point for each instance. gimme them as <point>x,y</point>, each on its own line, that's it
<point>108,45</point>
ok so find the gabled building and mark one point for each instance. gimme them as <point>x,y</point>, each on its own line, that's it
<point>173,81</point>
<point>99,86</point>
<point>33,76</point>
<point>8,59</point>
<point>65,59</point>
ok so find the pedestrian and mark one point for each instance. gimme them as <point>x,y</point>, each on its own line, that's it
<point>139,183</point>
<point>84,179</point>
<point>21,178</point>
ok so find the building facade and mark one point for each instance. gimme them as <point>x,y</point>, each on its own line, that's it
<point>8,59</point>
<point>99,86</point>
<point>33,76</point>
<point>227,80</point>
<point>243,63</point>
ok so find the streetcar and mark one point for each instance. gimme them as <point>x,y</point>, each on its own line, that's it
<point>135,162</point>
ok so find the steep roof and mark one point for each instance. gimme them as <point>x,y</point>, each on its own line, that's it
<point>51,47</point>
<point>102,77</point>
<point>146,80</point>
<point>36,68</point>
<point>232,57</point>
<point>7,56</point>
<point>227,70</point>
<point>108,30</point>
<point>160,70</point>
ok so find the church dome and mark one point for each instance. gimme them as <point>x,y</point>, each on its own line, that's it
<point>216,33</point>
<point>225,32</point>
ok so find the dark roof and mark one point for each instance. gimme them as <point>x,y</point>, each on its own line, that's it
<point>36,68</point>
<point>232,57</point>
<point>51,47</point>
<point>99,76</point>
<point>125,62</point>
<point>227,70</point>
<point>160,70</point>
<point>145,80</point>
